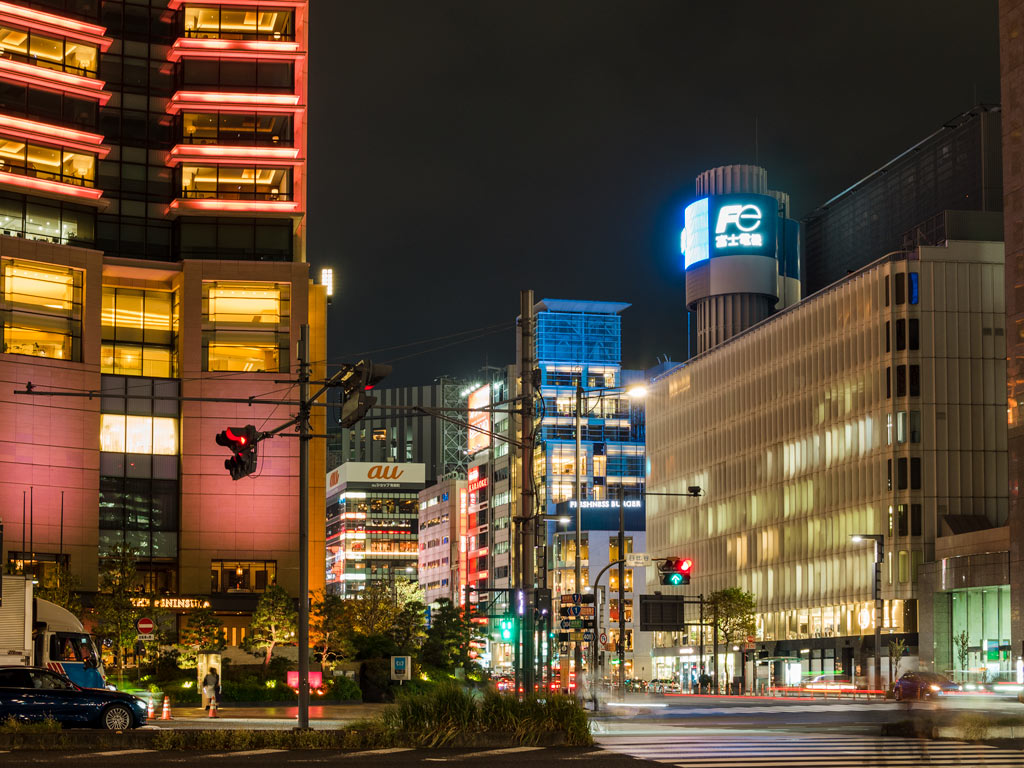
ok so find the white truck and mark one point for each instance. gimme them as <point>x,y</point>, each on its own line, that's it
<point>38,633</point>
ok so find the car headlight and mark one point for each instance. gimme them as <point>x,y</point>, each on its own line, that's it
<point>934,687</point>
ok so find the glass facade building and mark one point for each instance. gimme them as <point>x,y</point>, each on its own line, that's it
<point>873,407</point>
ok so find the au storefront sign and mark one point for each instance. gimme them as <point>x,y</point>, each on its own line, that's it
<point>368,474</point>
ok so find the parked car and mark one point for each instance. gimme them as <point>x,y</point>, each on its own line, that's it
<point>922,685</point>
<point>829,683</point>
<point>33,694</point>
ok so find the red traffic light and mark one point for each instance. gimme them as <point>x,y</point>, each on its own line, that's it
<point>685,565</point>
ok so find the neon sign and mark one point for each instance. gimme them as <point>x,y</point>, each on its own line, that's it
<point>728,225</point>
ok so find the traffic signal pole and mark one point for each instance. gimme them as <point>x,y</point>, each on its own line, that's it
<point>304,438</point>
<point>528,527</point>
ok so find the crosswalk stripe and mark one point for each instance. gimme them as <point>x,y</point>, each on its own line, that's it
<point>386,751</point>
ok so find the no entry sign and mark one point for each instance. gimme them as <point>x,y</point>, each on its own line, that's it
<point>145,626</point>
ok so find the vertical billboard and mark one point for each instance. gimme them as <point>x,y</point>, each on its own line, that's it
<point>479,419</point>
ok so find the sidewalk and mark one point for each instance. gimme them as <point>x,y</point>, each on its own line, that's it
<point>320,716</point>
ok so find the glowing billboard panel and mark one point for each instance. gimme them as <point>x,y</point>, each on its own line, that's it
<point>478,419</point>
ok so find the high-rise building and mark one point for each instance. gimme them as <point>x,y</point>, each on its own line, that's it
<point>394,430</point>
<point>444,510</point>
<point>372,525</point>
<point>152,252</point>
<point>871,408</point>
<point>917,198</point>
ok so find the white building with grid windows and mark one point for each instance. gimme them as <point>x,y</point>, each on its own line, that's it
<point>876,406</point>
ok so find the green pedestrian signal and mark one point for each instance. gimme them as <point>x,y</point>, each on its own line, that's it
<point>507,630</point>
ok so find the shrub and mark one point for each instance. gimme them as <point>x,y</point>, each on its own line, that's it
<point>973,727</point>
<point>12,725</point>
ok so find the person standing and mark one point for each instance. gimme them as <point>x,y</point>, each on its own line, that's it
<point>211,689</point>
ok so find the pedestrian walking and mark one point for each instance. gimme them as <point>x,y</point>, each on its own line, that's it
<point>211,689</point>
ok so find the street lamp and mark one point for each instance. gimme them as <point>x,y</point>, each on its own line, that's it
<point>634,392</point>
<point>879,542</point>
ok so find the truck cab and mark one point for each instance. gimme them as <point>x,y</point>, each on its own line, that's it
<point>59,643</point>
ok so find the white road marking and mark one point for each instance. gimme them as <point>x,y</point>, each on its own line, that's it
<point>115,753</point>
<point>247,753</point>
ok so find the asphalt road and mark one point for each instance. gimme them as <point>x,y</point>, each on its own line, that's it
<point>385,758</point>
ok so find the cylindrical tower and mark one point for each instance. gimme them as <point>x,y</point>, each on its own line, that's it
<point>741,252</point>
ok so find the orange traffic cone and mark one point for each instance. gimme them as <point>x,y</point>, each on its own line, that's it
<point>213,708</point>
<point>149,709</point>
<point>166,714</point>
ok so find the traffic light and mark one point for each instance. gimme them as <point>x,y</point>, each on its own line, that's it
<point>508,628</point>
<point>356,385</point>
<point>675,571</point>
<point>242,442</point>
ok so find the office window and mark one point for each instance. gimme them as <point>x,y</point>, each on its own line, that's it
<point>888,337</point>
<point>901,474</point>
<point>245,326</point>
<point>48,51</point>
<point>901,520</point>
<point>904,567</point>
<point>237,129</point>
<point>915,519</point>
<point>899,287</point>
<point>888,473</point>
<point>249,22</point>
<point>47,162</point>
<point>888,382</point>
<point>235,183</point>
<point>138,434</point>
<point>886,281</point>
<point>613,547</point>
<point>901,335</point>
<point>901,427</point>
<point>242,575</point>
<point>914,287</point>
<point>915,473</point>
<point>41,309</point>
<point>139,332</point>
<point>915,333</point>
<point>901,381</point>
<point>915,380</point>
<point>915,426</point>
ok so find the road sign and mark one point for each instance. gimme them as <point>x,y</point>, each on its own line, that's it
<point>588,637</point>
<point>637,560</point>
<point>146,638</point>
<point>576,598</point>
<point>576,610</point>
<point>604,638</point>
<point>577,624</point>
<point>570,637</point>
<point>145,626</point>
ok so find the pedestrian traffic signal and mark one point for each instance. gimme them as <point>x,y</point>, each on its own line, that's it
<point>675,571</point>
<point>242,442</point>
<point>507,627</point>
<point>355,386</point>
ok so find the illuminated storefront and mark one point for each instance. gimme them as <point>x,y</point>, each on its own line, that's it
<point>372,525</point>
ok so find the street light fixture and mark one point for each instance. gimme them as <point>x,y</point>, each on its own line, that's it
<point>879,542</point>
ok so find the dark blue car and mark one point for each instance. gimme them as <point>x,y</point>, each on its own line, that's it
<point>32,694</point>
<point>923,685</point>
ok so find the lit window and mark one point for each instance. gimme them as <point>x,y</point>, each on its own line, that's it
<point>227,182</point>
<point>139,330</point>
<point>41,309</point>
<point>138,434</point>
<point>43,162</point>
<point>245,326</point>
<point>48,51</point>
<point>246,23</point>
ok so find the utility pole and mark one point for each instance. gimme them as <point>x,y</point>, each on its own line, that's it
<point>578,495</point>
<point>528,542</point>
<point>304,438</point>
<point>622,591</point>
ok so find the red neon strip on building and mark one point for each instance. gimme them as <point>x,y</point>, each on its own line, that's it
<point>246,99</point>
<point>51,187</point>
<point>38,18</point>
<point>53,135</point>
<point>176,4</point>
<point>215,48</point>
<point>237,206</point>
<point>226,155</point>
<point>41,77</point>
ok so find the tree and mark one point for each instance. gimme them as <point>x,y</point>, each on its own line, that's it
<point>273,624</point>
<point>962,643</point>
<point>115,612</point>
<point>736,619</point>
<point>61,588</point>
<point>448,640</point>
<point>205,632</point>
<point>330,627</point>
<point>394,611</point>
<point>897,649</point>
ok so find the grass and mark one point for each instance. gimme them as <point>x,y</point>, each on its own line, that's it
<point>11,725</point>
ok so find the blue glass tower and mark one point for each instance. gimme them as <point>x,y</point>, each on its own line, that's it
<point>581,341</point>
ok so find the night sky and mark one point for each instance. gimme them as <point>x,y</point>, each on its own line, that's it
<point>461,151</point>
